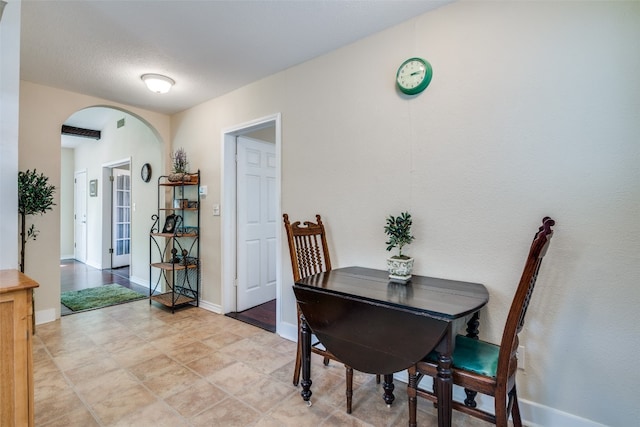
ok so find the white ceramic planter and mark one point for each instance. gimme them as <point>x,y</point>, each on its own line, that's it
<point>399,269</point>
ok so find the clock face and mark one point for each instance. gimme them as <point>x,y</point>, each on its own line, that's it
<point>414,76</point>
<point>145,172</point>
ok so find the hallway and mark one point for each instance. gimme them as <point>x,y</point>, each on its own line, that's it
<point>75,275</point>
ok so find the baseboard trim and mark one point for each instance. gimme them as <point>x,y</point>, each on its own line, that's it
<point>45,316</point>
<point>533,414</point>
<point>139,281</point>
<point>537,415</point>
<point>287,331</point>
<point>209,306</point>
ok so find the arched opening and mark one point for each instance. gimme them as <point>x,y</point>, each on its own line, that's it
<point>105,204</point>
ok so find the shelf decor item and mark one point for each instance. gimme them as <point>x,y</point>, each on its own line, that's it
<point>174,244</point>
<point>399,231</point>
<point>170,224</point>
<point>180,167</point>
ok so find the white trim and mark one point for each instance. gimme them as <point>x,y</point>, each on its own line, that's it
<point>288,331</point>
<point>104,192</point>
<point>209,306</point>
<point>228,209</point>
<point>93,265</point>
<point>533,414</point>
<point>45,316</point>
<point>537,415</point>
<point>139,281</point>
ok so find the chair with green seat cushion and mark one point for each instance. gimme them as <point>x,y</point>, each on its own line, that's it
<point>473,355</point>
<point>484,367</point>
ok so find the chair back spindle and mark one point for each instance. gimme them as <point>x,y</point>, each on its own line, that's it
<point>307,247</point>
<point>517,312</point>
<point>483,367</point>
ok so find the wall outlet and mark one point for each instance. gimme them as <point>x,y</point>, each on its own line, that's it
<point>521,358</point>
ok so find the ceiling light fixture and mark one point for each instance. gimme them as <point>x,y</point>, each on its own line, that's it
<point>157,83</point>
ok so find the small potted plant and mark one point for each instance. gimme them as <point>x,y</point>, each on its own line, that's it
<point>399,231</point>
<point>180,166</point>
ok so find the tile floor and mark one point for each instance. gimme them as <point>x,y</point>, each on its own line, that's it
<point>139,365</point>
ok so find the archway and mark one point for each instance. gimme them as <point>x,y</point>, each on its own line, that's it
<point>126,143</point>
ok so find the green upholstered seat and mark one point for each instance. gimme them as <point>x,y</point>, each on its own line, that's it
<point>473,355</point>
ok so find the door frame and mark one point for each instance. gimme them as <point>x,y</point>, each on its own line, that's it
<point>106,189</point>
<point>229,212</point>
<point>75,214</point>
<point>114,216</point>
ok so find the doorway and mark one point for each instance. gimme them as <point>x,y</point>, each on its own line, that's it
<point>120,216</point>
<point>80,216</point>
<point>256,223</point>
<point>237,253</point>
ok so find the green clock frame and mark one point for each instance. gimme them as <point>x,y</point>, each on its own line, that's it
<point>404,69</point>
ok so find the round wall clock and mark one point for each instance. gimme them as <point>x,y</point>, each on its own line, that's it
<point>145,172</point>
<point>414,75</point>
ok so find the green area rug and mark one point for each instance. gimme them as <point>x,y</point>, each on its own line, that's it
<point>102,296</point>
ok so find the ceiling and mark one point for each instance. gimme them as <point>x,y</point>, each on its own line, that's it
<point>101,48</point>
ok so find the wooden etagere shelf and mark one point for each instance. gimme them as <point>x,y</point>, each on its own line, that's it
<point>174,244</point>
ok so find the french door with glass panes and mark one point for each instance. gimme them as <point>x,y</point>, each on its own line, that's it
<point>121,218</point>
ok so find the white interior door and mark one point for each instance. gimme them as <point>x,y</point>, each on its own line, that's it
<point>121,227</point>
<point>80,216</point>
<point>256,222</point>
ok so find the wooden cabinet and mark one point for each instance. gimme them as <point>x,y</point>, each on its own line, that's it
<point>174,276</point>
<point>16,357</point>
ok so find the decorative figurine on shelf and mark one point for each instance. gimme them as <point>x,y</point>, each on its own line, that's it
<point>180,167</point>
<point>399,231</point>
<point>170,224</point>
<point>174,256</point>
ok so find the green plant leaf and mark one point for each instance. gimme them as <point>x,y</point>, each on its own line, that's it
<point>399,231</point>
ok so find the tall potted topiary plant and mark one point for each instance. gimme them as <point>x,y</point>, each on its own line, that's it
<point>35,196</point>
<point>399,231</point>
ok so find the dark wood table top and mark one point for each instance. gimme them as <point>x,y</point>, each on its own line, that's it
<point>439,298</point>
<point>378,326</point>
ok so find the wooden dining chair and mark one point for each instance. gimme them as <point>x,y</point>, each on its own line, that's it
<point>484,367</point>
<point>310,255</point>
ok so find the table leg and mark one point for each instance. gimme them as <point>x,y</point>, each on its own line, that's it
<point>472,332</point>
<point>472,326</point>
<point>412,395</point>
<point>349,387</point>
<point>306,360</point>
<point>444,384</point>
<point>388,387</point>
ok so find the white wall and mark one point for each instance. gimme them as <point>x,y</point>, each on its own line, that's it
<point>532,111</point>
<point>9,84</point>
<point>66,189</point>
<point>135,140</point>
<point>43,110</point>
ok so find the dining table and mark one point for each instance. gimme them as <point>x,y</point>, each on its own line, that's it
<point>379,326</point>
